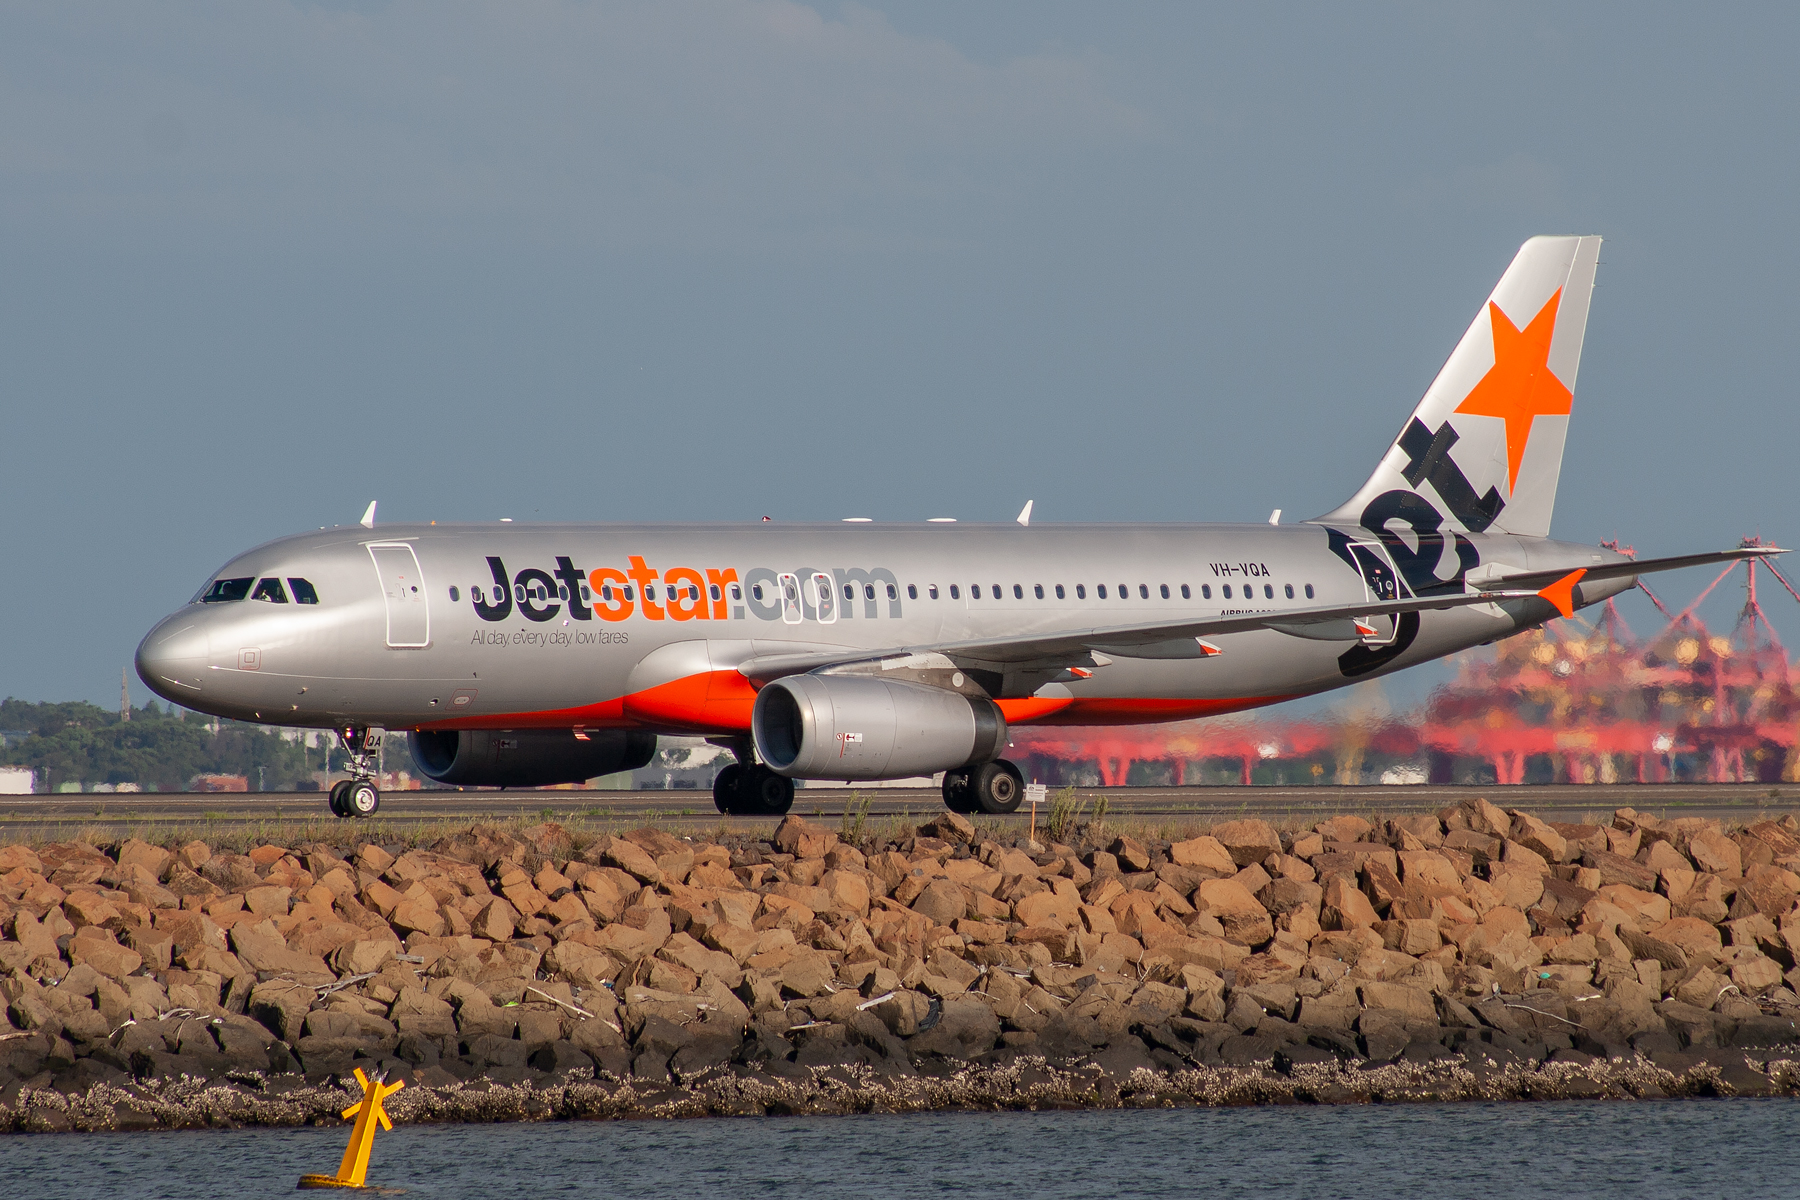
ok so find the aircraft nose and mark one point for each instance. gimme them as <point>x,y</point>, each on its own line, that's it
<point>172,657</point>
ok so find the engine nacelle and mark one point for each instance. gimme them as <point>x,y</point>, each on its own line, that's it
<point>527,757</point>
<point>857,727</point>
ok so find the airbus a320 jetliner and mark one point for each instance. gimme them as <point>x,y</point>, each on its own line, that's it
<point>522,655</point>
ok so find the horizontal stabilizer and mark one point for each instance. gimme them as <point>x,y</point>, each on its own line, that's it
<point>1631,567</point>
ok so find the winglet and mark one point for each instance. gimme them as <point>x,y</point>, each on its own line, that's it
<point>368,521</point>
<point>1561,594</point>
<point>1207,649</point>
<point>1024,517</point>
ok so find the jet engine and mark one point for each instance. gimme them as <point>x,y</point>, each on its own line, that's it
<point>527,757</point>
<point>856,727</point>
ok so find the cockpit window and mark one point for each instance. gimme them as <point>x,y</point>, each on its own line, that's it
<point>226,590</point>
<point>303,591</point>
<point>270,590</point>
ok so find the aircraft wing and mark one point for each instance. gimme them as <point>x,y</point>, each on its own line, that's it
<point>1644,566</point>
<point>1182,639</point>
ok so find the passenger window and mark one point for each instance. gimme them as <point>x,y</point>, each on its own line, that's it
<point>931,590</point>
<point>849,591</point>
<point>912,591</point>
<point>1144,592</point>
<point>1268,591</point>
<point>737,593</point>
<point>1185,594</point>
<point>1124,591</point>
<point>974,591</point>
<point>270,590</point>
<point>588,595</point>
<point>1059,592</point>
<point>475,595</point>
<point>629,596</point>
<point>868,591</point>
<point>1100,591</point>
<point>893,592</point>
<point>1288,590</point>
<point>1081,591</point>
<point>1309,594</point>
<point>1037,589</point>
<point>562,591</point>
<point>1019,592</point>
<point>303,591</point>
<point>712,589</point>
<point>756,590</point>
<point>1227,591</point>
<point>953,594</point>
<point>605,593</point>
<point>1206,591</point>
<point>224,591</point>
<point>454,594</point>
<point>997,592</point>
<point>519,592</point>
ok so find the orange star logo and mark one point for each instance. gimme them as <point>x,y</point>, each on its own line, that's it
<point>1519,387</point>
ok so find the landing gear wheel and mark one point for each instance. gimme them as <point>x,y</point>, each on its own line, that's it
<point>727,785</point>
<point>996,787</point>
<point>956,792</point>
<point>361,799</point>
<point>337,798</point>
<point>763,791</point>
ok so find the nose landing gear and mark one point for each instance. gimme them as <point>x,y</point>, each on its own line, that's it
<point>357,796</point>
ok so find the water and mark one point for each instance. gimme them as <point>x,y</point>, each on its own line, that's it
<point>1651,1151</point>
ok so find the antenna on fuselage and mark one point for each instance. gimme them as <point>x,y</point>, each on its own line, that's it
<point>1275,517</point>
<point>368,521</point>
<point>1024,517</point>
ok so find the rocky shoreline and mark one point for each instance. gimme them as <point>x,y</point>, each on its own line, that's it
<point>539,974</point>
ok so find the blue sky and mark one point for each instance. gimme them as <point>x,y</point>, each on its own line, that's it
<point>709,259</point>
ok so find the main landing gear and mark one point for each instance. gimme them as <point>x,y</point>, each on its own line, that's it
<point>357,795</point>
<point>992,787</point>
<point>752,791</point>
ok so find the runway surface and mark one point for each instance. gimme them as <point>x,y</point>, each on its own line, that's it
<point>61,816</point>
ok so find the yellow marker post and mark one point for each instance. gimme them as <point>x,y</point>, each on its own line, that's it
<point>368,1112</point>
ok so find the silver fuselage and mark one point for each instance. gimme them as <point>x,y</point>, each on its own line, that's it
<point>391,645</point>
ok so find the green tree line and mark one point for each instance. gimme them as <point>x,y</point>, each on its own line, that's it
<point>159,750</point>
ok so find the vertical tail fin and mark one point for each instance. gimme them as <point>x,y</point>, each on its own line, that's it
<point>1484,447</point>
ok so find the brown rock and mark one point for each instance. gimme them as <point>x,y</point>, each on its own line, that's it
<point>949,827</point>
<point>1245,922</point>
<point>1412,937</point>
<point>1694,938</point>
<point>1702,989</point>
<point>1716,854</point>
<point>1343,829</point>
<point>1412,1002</point>
<point>1617,869</point>
<point>1205,854</point>
<point>135,853</point>
<point>627,857</point>
<point>1538,837</point>
<point>1757,974</point>
<point>261,948</point>
<point>1486,818</point>
<point>267,901</point>
<point>1661,856</point>
<point>1131,853</point>
<point>802,839</point>
<point>943,901</point>
<point>1380,885</point>
<point>1643,945</point>
<point>97,948</point>
<point>1247,841</point>
<point>1344,907</point>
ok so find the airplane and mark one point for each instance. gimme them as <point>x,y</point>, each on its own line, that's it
<point>522,655</point>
